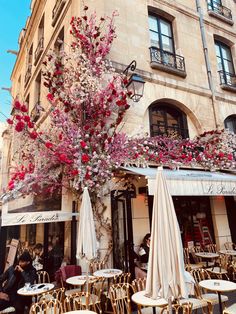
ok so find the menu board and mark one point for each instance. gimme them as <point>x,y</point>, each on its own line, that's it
<point>11,253</point>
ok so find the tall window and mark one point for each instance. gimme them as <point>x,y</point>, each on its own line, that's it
<point>230,123</point>
<point>166,119</point>
<point>161,33</point>
<point>214,4</point>
<point>224,58</point>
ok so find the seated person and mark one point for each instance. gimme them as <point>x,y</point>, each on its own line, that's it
<point>144,251</point>
<point>38,257</point>
<point>15,278</point>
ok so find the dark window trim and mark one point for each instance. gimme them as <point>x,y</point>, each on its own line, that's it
<point>183,125</point>
<point>158,18</point>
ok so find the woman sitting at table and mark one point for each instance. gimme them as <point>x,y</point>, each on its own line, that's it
<point>144,251</point>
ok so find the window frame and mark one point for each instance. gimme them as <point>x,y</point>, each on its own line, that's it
<point>158,19</point>
<point>183,130</point>
<point>222,45</point>
<point>231,118</point>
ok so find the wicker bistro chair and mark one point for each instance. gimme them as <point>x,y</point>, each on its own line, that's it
<point>210,248</point>
<point>184,308</point>
<point>230,246</point>
<point>56,294</point>
<point>43,276</point>
<point>78,301</point>
<point>139,284</point>
<point>211,298</point>
<point>221,271</point>
<point>122,278</point>
<point>188,265</point>
<point>97,265</point>
<point>47,307</point>
<point>120,298</point>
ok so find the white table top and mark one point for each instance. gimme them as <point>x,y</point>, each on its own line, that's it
<point>207,255</point>
<point>218,285</point>
<point>217,270</point>
<point>140,298</point>
<point>35,290</point>
<point>78,280</point>
<point>80,312</point>
<point>107,273</point>
<point>228,252</point>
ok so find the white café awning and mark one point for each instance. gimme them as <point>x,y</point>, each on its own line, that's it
<point>190,182</point>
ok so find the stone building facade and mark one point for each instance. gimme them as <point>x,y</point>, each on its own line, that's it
<point>185,51</point>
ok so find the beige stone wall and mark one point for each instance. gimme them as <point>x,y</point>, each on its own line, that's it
<point>191,94</point>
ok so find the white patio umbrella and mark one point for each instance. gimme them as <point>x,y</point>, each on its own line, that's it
<point>166,273</point>
<point>86,235</point>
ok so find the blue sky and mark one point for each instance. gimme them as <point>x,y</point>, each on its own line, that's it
<point>13,15</point>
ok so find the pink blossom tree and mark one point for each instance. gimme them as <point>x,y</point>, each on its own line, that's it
<point>79,143</point>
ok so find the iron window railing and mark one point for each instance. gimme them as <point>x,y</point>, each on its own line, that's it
<point>167,59</point>
<point>218,8</point>
<point>28,73</point>
<point>169,131</point>
<point>38,50</point>
<point>227,78</point>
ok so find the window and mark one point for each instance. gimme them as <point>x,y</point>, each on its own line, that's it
<point>161,33</point>
<point>225,64</point>
<point>165,119</point>
<point>40,45</point>
<point>162,51</point>
<point>230,123</point>
<point>28,72</point>
<point>35,113</point>
<point>216,9</point>
<point>59,43</point>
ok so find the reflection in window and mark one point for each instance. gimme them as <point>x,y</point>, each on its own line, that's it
<point>230,123</point>
<point>167,120</point>
<point>224,58</point>
<point>161,33</point>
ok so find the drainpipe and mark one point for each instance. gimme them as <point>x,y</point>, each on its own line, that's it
<point>207,61</point>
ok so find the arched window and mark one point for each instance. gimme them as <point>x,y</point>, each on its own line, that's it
<point>166,119</point>
<point>230,123</point>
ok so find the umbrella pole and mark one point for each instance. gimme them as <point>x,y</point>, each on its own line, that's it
<point>87,285</point>
<point>170,305</point>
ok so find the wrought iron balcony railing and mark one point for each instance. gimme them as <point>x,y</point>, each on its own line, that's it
<point>28,73</point>
<point>39,50</point>
<point>167,60</point>
<point>57,10</point>
<point>227,79</point>
<point>218,8</point>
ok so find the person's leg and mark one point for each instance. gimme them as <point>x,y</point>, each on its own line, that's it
<point>4,304</point>
<point>19,304</point>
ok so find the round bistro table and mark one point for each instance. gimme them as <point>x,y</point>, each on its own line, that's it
<point>141,299</point>
<point>218,286</point>
<point>207,256</point>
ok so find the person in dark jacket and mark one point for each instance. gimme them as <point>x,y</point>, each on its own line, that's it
<point>15,278</point>
<point>144,251</point>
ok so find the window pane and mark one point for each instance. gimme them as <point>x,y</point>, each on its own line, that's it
<point>153,23</point>
<point>228,67</point>
<point>226,53</point>
<point>154,39</point>
<point>167,44</point>
<point>165,28</point>
<point>217,50</point>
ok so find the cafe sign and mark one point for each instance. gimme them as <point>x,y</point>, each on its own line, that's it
<point>15,213</point>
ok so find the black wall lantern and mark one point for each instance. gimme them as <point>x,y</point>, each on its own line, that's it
<point>135,82</point>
